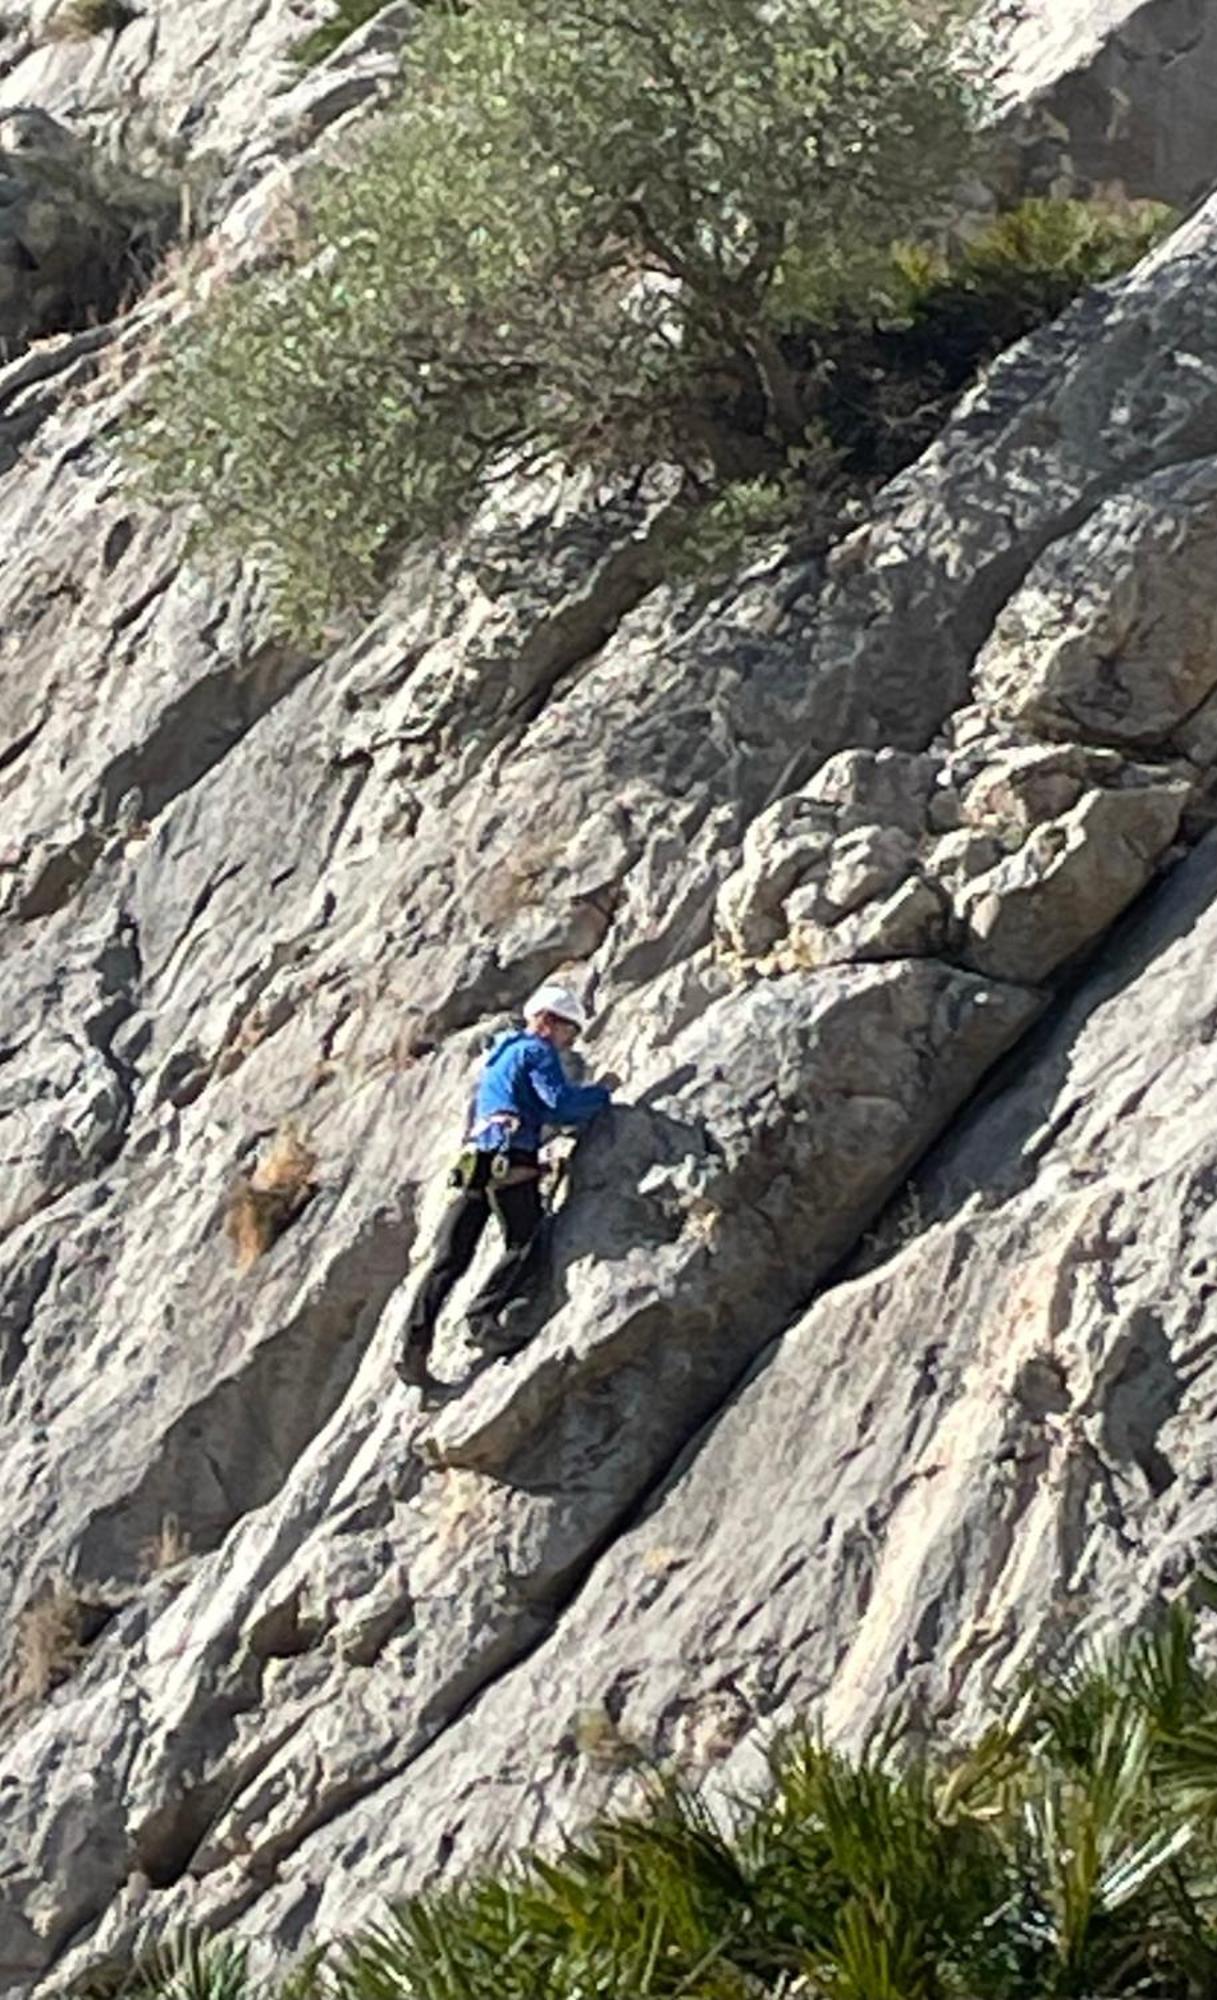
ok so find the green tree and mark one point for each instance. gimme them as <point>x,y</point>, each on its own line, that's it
<point>566,244</point>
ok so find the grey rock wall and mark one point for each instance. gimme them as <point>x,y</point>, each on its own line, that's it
<point>269,884</point>
<point>834,851</point>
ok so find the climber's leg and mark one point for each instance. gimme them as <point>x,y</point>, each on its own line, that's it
<point>460,1232</point>
<point>520,1215</point>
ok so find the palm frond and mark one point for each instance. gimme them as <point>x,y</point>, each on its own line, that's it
<point>1067,1850</point>
<point>192,1966</point>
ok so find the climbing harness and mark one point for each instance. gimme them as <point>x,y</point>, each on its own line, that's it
<point>554,1169</point>
<point>504,1171</point>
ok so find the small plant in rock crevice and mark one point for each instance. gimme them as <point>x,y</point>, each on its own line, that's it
<point>348,17</point>
<point>266,1201</point>
<point>889,374</point>
<point>49,1644</point>
<point>80,20</point>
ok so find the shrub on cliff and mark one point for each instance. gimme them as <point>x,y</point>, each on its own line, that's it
<point>567,243</point>
<point>888,373</point>
<point>883,370</point>
<point>347,18</point>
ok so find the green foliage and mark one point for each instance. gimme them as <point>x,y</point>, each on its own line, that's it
<point>866,1871</point>
<point>889,368</point>
<point>1028,264</point>
<point>611,232</point>
<point>348,15</point>
<point>638,1907</point>
<point>715,535</point>
<point>1068,1851</point>
<point>564,247</point>
<point>191,1967</point>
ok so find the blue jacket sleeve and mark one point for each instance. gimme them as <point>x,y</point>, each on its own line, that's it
<point>567,1103</point>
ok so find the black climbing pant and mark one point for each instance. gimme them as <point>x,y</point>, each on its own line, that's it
<point>517,1209</point>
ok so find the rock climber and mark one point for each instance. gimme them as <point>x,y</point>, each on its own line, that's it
<point>522,1087</point>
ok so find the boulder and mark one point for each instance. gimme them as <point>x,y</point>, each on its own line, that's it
<point>1109,639</point>
<point>1068,881</point>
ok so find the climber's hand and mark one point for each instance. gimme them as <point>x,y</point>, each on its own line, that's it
<point>609,1081</point>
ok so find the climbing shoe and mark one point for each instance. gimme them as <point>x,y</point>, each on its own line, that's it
<point>412,1367</point>
<point>483,1330</point>
<point>495,1339</point>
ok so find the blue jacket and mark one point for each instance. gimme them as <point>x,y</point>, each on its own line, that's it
<point>522,1075</point>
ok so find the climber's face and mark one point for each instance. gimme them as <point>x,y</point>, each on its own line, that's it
<point>555,1029</point>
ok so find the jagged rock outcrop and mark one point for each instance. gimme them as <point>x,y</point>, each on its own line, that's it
<point>215,101</point>
<point>1113,97</point>
<point>75,237</point>
<point>827,847</point>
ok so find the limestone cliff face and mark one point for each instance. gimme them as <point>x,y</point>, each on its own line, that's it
<point>893,866</point>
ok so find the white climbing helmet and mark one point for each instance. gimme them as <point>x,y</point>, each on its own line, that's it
<point>558,1000</point>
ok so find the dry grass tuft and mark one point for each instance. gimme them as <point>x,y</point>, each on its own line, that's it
<point>289,1165</point>
<point>80,20</point>
<point>265,1203</point>
<point>166,1549</point>
<point>595,1735</point>
<point>49,1645</point>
